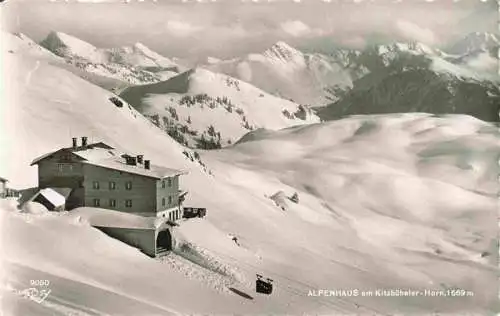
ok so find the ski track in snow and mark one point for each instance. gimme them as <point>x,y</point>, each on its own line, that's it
<point>207,268</point>
<point>196,272</point>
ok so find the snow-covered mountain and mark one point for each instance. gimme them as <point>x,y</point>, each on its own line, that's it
<point>319,79</point>
<point>421,83</point>
<point>477,41</point>
<point>136,64</point>
<point>477,51</point>
<point>313,78</point>
<point>65,45</point>
<point>141,56</point>
<point>209,110</point>
<point>384,203</point>
<point>288,73</point>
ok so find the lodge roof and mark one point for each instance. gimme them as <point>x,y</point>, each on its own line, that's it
<point>102,155</point>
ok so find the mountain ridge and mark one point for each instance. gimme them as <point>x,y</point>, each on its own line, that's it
<point>201,105</point>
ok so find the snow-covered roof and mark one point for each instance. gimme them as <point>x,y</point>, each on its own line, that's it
<point>81,151</point>
<point>102,155</point>
<point>99,217</point>
<point>3,180</point>
<point>54,197</point>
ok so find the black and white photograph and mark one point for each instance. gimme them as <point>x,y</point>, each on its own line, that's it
<point>249,157</point>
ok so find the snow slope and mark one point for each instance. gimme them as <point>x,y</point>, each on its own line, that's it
<point>199,98</point>
<point>21,44</point>
<point>408,193</point>
<point>394,202</point>
<point>92,274</point>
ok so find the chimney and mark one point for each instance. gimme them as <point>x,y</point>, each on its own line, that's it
<point>75,142</point>
<point>84,141</point>
<point>139,159</point>
<point>131,161</point>
<point>147,164</point>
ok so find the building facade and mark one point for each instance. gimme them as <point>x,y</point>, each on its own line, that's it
<point>3,187</point>
<point>99,176</point>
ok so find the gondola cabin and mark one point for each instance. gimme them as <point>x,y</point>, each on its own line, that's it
<point>264,286</point>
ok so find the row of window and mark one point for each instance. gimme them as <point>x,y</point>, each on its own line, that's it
<point>128,203</point>
<point>163,201</point>
<point>128,184</point>
<point>112,203</point>
<point>111,185</point>
<point>169,183</point>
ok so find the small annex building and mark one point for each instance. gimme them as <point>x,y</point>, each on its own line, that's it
<point>153,236</point>
<point>53,199</point>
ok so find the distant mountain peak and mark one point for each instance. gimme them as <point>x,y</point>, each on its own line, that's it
<point>282,45</point>
<point>66,45</point>
<point>477,41</point>
<point>141,46</point>
<point>412,46</point>
<point>283,51</point>
<point>146,51</point>
<point>58,39</point>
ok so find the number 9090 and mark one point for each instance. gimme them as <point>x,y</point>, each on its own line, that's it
<point>39,282</point>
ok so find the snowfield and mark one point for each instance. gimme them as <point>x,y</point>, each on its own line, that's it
<point>385,202</point>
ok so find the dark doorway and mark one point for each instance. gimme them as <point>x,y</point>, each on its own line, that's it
<point>163,241</point>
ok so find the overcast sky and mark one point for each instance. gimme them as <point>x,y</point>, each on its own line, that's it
<point>226,28</point>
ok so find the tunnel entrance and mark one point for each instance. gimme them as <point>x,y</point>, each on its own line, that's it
<point>163,242</point>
